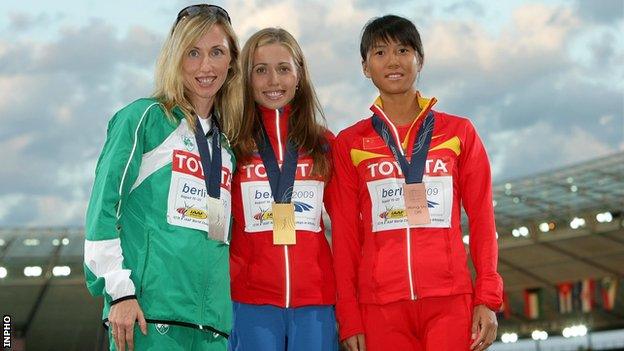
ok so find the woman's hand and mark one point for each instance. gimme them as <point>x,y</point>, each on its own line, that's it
<point>484,327</point>
<point>354,343</point>
<point>121,318</point>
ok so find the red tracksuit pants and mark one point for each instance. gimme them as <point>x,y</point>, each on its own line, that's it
<point>428,324</point>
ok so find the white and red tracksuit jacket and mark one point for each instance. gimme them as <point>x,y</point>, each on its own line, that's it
<point>280,275</point>
<point>378,259</point>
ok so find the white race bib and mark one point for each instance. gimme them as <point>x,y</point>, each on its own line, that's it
<point>388,206</point>
<point>307,198</point>
<point>187,203</point>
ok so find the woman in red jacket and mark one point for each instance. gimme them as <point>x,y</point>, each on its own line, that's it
<point>283,284</point>
<point>403,175</point>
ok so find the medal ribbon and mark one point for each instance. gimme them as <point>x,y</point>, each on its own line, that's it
<point>281,181</point>
<point>210,165</point>
<point>414,170</point>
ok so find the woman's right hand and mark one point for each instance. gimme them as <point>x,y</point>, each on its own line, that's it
<point>354,343</point>
<point>121,318</point>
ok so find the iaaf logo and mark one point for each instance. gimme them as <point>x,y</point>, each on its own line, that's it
<point>267,215</point>
<point>390,213</point>
<point>386,168</point>
<point>263,215</point>
<point>192,212</point>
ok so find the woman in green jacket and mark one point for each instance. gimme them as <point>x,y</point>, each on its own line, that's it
<point>158,222</point>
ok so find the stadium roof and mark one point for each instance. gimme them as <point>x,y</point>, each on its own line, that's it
<point>560,195</point>
<point>562,226</point>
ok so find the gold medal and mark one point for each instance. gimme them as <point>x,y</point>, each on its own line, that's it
<point>284,224</point>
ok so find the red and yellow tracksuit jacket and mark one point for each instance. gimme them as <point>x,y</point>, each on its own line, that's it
<point>378,258</point>
<point>280,275</point>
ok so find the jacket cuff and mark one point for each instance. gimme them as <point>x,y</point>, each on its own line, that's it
<point>489,292</point>
<point>494,308</point>
<point>349,319</point>
<point>119,284</point>
<point>492,303</point>
<point>129,297</point>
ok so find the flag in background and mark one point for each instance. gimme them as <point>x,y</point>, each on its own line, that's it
<point>564,297</point>
<point>576,296</point>
<point>533,303</point>
<point>588,288</point>
<point>608,291</point>
<point>583,295</point>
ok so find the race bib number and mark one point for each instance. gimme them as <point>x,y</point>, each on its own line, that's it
<point>307,199</point>
<point>388,204</point>
<point>187,204</point>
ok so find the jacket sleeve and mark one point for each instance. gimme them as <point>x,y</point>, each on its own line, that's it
<point>330,184</point>
<point>346,239</point>
<point>475,183</point>
<point>226,144</point>
<point>117,169</point>
<point>240,246</point>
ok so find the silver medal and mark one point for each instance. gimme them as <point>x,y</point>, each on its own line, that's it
<point>216,220</point>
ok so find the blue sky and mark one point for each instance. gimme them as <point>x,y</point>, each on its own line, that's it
<point>543,81</point>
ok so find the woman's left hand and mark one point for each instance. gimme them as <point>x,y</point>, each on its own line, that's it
<point>484,326</point>
<point>122,317</point>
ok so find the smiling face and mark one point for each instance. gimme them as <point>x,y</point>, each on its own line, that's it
<point>274,76</point>
<point>204,68</point>
<point>392,66</point>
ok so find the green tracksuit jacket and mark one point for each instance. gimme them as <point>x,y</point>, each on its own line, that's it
<point>146,226</point>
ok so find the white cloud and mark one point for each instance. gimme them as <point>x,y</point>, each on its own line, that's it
<point>251,16</point>
<point>539,147</point>
<point>8,203</point>
<point>58,211</point>
<point>600,11</point>
<point>55,99</point>
<point>14,89</point>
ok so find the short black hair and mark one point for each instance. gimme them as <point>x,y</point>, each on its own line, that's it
<point>390,28</point>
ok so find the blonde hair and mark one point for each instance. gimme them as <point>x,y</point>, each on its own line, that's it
<point>306,125</point>
<point>169,83</point>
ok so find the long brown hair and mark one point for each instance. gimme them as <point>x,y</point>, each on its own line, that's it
<point>170,90</point>
<point>306,125</point>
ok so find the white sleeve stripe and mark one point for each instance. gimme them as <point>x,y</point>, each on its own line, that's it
<point>104,258</point>
<point>161,155</point>
<point>118,284</point>
<point>134,144</point>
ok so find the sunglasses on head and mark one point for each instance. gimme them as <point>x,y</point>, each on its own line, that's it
<point>193,10</point>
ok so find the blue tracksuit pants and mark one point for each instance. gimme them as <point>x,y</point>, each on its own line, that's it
<point>271,328</point>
